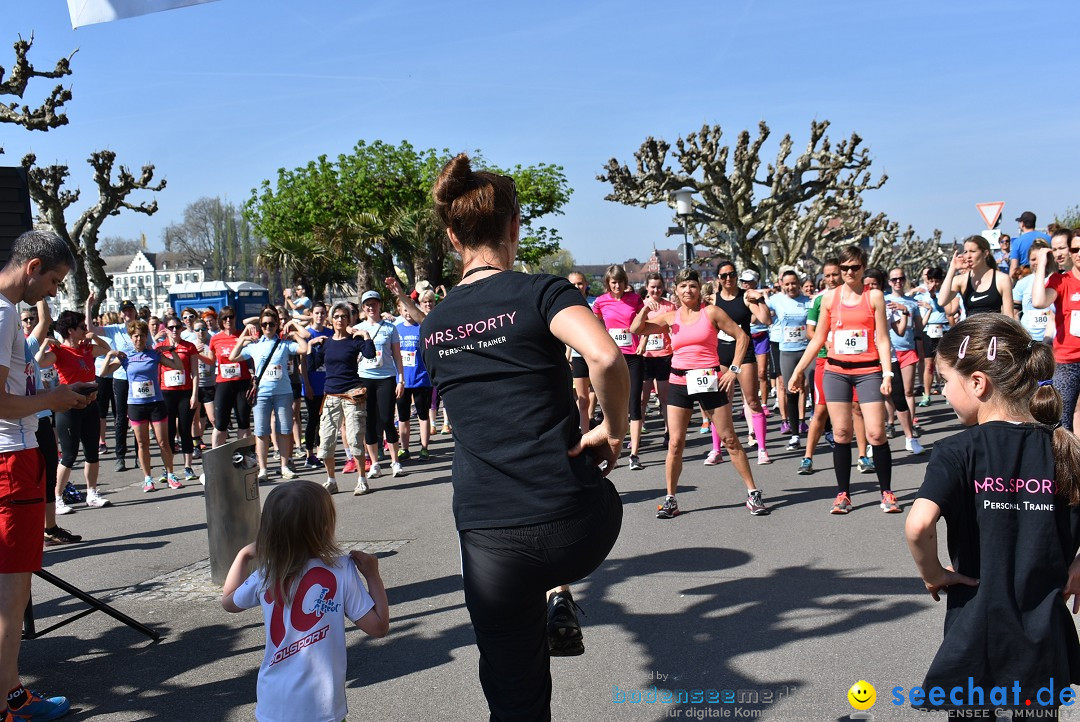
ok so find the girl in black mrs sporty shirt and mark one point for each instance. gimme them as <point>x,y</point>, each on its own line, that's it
<point>532,507</point>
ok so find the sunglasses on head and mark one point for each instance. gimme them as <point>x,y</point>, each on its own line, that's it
<point>850,269</point>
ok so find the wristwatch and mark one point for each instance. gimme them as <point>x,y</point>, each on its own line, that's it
<point>887,374</point>
<point>734,369</point>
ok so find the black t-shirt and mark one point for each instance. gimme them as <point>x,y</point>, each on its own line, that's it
<point>1009,529</point>
<point>737,309</point>
<point>507,388</point>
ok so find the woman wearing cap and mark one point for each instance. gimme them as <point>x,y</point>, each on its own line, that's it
<point>532,509</point>
<point>852,323</point>
<point>233,381</point>
<point>616,309</point>
<point>984,289</point>
<point>384,381</point>
<point>741,306</point>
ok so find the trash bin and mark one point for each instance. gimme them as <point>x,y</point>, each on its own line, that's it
<point>232,502</point>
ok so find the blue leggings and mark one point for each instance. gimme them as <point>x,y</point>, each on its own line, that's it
<point>1067,382</point>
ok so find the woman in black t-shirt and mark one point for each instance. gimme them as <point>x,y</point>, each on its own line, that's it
<point>1008,488</point>
<point>531,504</point>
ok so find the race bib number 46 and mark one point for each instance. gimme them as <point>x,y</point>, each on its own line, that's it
<point>851,341</point>
<point>701,381</point>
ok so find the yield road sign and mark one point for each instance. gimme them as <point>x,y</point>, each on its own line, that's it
<point>990,212</point>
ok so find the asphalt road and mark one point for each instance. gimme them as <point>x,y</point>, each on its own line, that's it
<point>771,617</point>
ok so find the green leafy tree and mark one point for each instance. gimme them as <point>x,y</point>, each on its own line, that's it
<point>1069,218</point>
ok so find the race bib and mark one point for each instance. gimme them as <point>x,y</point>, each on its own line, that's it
<point>701,381</point>
<point>622,337</point>
<point>720,335</point>
<point>794,334</point>
<point>655,342</point>
<point>851,341</point>
<point>174,378</point>
<point>408,359</point>
<point>273,372</point>
<point>1074,323</point>
<point>229,370</point>
<point>934,330</point>
<point>142,389</point>
<point>1039,319</point>
<point>49,376</point>
<point>372,363</point>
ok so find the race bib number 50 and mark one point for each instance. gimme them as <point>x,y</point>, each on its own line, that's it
<point>701,381</point>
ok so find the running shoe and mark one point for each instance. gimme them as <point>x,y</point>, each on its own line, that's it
<point>350,467</point>
<point>635,463</point>
<point>120,466</point>
<point>806,467</point>
<point>803,428</point>
<point>704,428</point>
<point>286,471</point>
<point>299,452</point>
<point>842,505</point>
<point>189,474</point>
<point>40,709</point>
<point>785,428</point>
<point>424,454</point>
<point>367,464</point>
<point>148,484</point>
<point>58,535</point>
<point>763,457</point>
<point>563,628</point>
<point>173,482</point>
<point>374,471</point>
<point>63,508</point>
<point>914,446</point>
<point>924,401</point>
<point>396,470</point>
<point>263,478</point>
<point>314,463</point>
<point>888,503</point>
<point>751,442</point>
<point>445,429</point>
<point>403,455</point>
<point>866,465</point>
<point>890,431</point>
<point>71,494</point>
<point>196,453</point>
<point>830,439</point>
<point>793,443</point>
<point>715,457</point>
<point>102,448</point>
<point>668,510</point>
<point>95,500</point>
<point>361,487</point>
<point>331,486</point>
<point>756,504</point>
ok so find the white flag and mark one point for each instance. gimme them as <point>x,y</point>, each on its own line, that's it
<point>88,12</point>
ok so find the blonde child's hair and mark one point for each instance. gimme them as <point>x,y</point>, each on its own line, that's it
<point>297,525</point>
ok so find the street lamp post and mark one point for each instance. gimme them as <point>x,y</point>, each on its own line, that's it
<point>684,208</point>
<point>766,248</point>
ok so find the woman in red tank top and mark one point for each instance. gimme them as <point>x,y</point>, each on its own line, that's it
<point>853,324</point>
<point>696,377</point>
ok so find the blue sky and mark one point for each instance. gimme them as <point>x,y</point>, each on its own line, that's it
<point>959,102</point>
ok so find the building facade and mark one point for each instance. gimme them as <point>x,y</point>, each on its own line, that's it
<point>144,279</point>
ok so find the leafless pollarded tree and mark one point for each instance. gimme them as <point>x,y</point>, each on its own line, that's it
<point>53,200</point>
<point>50,113</point>
<point>737,207</point>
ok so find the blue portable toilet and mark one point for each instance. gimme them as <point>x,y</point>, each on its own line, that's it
<point>247,298</point>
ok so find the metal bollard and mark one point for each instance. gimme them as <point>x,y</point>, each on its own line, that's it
<point>232,502</point>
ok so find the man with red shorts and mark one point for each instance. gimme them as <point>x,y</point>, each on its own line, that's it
<point>39,262</point>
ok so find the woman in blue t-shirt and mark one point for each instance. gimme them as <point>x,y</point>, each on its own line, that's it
<point>145,403</point>
<point>270,353</point>
<point>383,380</point>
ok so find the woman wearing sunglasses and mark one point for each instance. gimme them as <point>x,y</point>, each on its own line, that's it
<point>852,323</point>
<point>233,381</point>
<point>179,389</point>
<point>1062,291</point>
<point>271,354</point>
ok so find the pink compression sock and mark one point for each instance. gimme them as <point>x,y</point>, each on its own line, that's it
<point>716,443</point>
<point>759,428</point>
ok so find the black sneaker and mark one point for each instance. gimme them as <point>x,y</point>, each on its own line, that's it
<point>668,510</point>
<point>563,630</point>
<point>120,464</point>
<point>58,535</point>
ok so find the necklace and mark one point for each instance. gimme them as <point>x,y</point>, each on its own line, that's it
<point>471,271</point>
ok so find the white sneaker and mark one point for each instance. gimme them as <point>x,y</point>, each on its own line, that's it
<point>395,469</point>
<point>793,443</point>
<point>62,507</point>
<point>763,457</point>
<point>374,471</point>
<point>331,486</point>
<point>715,457</point>
<point>287,473</point>
<point>361,487</point>
<point>95,500</point>
<point>914,446</point>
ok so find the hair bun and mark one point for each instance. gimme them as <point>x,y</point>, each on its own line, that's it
<point>454,180</point>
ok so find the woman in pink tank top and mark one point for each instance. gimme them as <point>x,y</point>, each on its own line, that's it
<point>696,377</point>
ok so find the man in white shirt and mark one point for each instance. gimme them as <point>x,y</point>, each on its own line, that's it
<point>39,262</point>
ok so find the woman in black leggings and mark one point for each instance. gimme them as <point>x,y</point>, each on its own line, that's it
<point>530,516</point>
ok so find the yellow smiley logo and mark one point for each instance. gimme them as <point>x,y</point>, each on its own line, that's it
<point>862,695</point>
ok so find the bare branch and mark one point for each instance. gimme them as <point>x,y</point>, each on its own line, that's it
<point>49,114</point>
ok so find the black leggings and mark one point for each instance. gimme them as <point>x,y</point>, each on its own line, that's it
<point>506,573</point>
<point>178,408</point>
<point>120,424</point>
<point>74,427</point>
<point>896,393</point>
<point>422,394</point>
<point>636,364</point>
<point>46,439</point>
<point>311,427</point>
<point>380,410</point>
<point>232,395</point>
<point>105,399</point>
